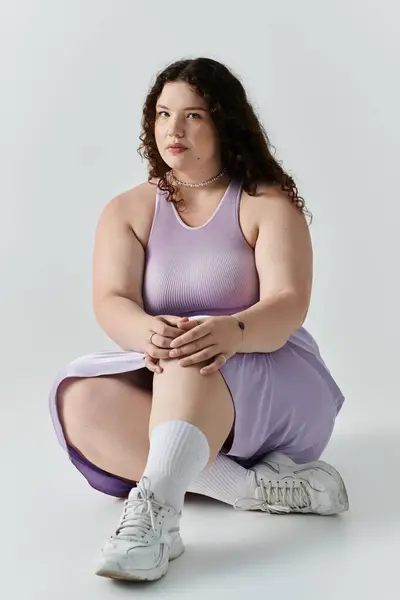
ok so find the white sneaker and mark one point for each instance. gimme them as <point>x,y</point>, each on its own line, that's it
<point>146,540</point>
<point>286,487</point>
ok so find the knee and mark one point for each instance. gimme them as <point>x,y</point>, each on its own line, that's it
<point>172,365</point>
<point>169,365</point>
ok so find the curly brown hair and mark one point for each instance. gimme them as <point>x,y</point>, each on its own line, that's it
<point>245,146</point>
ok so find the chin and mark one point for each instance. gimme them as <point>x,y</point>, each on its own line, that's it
<point>177,162</point>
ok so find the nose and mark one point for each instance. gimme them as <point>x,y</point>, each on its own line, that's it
<point>176,129</point>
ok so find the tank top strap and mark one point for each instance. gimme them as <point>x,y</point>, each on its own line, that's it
<point>163,212</point>
<point>225,217</point>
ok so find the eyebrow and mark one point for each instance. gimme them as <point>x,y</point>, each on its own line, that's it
<point>187,107</point>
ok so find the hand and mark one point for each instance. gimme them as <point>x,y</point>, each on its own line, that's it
<point>165,329</point>
<point>209,339</point>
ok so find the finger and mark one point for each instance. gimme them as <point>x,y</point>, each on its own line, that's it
<point>201,356</point>
<point>152,366</point>
<point>187,325</point>
<point>156,352</point>
<point>164,330</point>
<point>189,349</point>
<point>190,336</point>
<point>160,341</point>
<point>214,366</point>
<point>173,319</point>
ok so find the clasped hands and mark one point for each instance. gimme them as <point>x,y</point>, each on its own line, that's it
<point>212,339</point>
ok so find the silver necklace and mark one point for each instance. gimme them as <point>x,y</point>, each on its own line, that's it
<point>195,185</point>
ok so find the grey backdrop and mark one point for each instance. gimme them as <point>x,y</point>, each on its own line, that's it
<point>324,79</point>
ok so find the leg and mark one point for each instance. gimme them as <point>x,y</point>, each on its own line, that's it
<point>106,419</point>
<point>191,416</point>
<point>183,394</point>
<point>190,420</point>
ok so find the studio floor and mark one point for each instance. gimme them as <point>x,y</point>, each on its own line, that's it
<point>54,524</point>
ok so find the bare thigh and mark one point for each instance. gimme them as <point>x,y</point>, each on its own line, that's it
<point>106,420</point>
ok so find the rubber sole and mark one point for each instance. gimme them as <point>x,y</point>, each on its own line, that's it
<point>117,572</point>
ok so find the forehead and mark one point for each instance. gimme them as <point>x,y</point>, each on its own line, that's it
<point>178,95</point>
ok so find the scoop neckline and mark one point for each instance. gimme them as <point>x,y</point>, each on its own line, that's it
<point>221,202</point>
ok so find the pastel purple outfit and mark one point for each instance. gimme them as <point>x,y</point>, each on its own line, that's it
<point>285,400</point>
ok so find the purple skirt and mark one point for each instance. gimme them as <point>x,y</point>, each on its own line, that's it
<point>285,400</point>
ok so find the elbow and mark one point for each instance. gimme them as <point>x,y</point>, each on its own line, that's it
<point>296,313</point>
<point>100,307</point>
<point>298,305</point>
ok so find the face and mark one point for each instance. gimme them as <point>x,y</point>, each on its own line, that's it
<point>185,134</point>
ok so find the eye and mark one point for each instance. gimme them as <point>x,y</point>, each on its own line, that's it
<point>194,115</point>
<point>161,113</point>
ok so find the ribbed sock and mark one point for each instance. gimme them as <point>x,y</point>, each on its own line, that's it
<point>179,451</point>
<point>225,480</point>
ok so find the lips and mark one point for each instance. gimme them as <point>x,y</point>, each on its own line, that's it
<point>176,147</point>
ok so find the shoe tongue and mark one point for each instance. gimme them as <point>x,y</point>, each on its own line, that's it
<point>135,494</point>
<point>137,520</point>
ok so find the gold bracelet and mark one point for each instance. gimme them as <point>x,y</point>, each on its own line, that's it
<point>241,325</point>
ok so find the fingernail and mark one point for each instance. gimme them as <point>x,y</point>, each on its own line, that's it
<point>173,353</point>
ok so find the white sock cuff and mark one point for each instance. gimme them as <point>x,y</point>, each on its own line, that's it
<point>178,452</point>
<point>174,436</point>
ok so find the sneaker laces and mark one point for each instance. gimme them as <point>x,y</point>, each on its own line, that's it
<point>139,514</point>
<point>277,498</point>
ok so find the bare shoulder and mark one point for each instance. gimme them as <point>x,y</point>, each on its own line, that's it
<point>271,204</point>
<point>136,200</point>
<point>269,209</point>
<point>270,197</point>
<point>135,207</point>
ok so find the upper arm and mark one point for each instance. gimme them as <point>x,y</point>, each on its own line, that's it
<point>118,256</point>
<point>283,251</point>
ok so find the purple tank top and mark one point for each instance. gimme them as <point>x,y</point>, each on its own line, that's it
<point>207,270</point>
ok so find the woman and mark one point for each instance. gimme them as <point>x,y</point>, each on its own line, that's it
<point>202,275</point>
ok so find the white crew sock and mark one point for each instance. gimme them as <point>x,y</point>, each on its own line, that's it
<point>178,452</point>
<point>225,480</point>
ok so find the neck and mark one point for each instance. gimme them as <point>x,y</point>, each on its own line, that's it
<point>197,176</point>
<point>209,194</point>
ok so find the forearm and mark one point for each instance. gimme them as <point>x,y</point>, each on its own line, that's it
<point>270,322</point>
<point>125,322</point>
